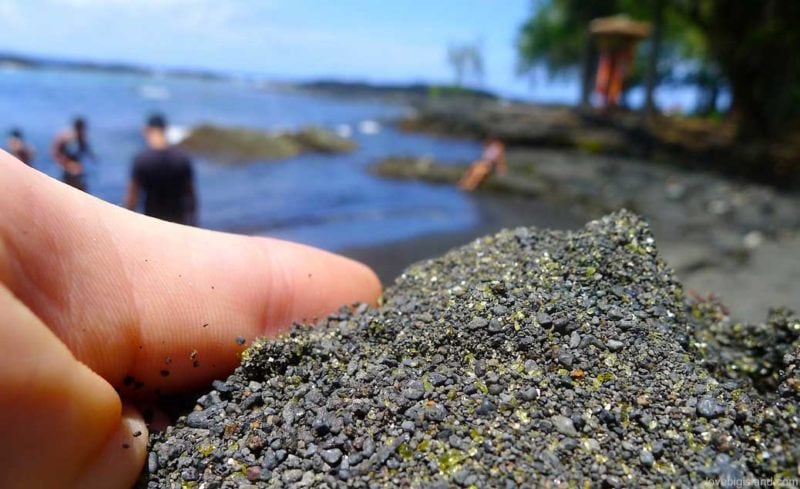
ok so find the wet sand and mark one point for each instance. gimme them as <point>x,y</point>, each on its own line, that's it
<point>497,212</point>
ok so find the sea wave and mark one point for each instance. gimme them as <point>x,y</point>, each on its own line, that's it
<point>154,92</point>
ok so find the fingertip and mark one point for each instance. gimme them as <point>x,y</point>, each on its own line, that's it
<point>120,460</point>
<point>368,285</point>
<point>134,430</point>
<point>304,283</point>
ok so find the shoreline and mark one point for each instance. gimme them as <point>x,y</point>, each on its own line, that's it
<point>685,143</point>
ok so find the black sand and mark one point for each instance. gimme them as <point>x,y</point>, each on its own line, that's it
<point>528,358</point>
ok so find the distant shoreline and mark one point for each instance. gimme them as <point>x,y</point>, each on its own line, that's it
<point>327,86</point>
<point>28,62</point>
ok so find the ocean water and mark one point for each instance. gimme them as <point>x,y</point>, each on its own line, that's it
<point>326,201</point>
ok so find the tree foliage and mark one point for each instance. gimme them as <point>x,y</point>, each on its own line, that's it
<point>755,44</point>
<point>745,46</point>
<point>466,60</point>
<point>558,32</point>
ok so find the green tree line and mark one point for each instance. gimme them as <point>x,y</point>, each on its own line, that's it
<point>746,47</point>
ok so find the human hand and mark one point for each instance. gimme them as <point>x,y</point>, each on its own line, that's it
<point>100,306</point>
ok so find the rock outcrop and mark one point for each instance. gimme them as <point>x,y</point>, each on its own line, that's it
<point>239,145</point>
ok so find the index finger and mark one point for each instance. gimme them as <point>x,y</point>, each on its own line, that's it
<point>151,305</point>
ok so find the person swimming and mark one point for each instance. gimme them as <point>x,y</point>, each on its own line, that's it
<point>70,149</point>
<point>492,159</point>
<point>19,148</point>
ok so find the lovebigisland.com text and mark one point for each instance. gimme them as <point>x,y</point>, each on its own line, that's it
<point>753,482</point>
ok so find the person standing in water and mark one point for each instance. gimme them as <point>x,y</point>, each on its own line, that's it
<point>162,176</point>
<point>19,148</point>
<point>492,159</point>
<point>70,150</point>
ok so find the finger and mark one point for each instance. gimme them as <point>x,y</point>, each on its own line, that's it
<point>57,417</point>
<point>115,460</point>
<point>149,305</point>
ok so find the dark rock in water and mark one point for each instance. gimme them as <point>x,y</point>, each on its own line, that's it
<point>240,145</point>
<point>370,398</point>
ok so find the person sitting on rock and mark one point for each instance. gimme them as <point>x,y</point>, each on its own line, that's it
<point>493,158</point>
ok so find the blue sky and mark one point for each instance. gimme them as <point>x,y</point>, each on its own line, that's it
<point>375,40</point>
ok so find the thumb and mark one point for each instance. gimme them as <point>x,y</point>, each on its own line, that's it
<point>61,425</point>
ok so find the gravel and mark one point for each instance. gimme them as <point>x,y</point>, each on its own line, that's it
<point>523,359</point>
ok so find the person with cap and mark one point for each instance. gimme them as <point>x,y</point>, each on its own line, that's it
<point>162,178</point>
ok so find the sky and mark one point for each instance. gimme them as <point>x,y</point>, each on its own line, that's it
<point>366,40</point>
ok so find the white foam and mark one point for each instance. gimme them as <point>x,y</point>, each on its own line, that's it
<point>369,127</point>
<point>154,92</point>
<point>176,134</point>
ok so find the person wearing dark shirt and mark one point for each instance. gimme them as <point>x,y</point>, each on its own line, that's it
<point>19,148</point>
<point>70,149</point>
<point>163,178</point>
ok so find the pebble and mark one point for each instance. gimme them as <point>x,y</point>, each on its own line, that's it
<point>292,475</point>
<point>478,323</point>
<point>414,391</point>
<point>331,456</point>
<point>565,426</point>
<point>647,459</point>
<point>544,319</point>
<point>198,419</point>
<point>189,474</point>
<point>707,407</point>
<point>485,408</point>
<point>565,358</point>
<point>530,394</point>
